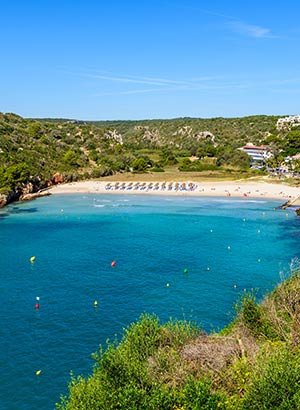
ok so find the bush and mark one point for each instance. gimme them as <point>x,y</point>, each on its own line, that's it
<point>198,396</point>
<point>71,159</point>
<point>196,166</point>
<point>253,316</point>
<point>276,380</point>
<point>157,169</point>
<point>121,377</point>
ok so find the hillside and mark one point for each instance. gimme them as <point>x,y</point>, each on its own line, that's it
<point>252,364</point>
<point>32,151</point>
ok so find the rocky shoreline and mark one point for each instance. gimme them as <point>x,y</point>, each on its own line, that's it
<point>30,190</point>
<point>14,196</point>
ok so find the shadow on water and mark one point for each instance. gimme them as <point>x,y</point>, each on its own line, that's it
<point>16,211</point>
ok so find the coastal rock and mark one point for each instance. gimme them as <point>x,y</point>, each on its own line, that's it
<point>22,193</point>
<point>29,197</point>
<point>58,178</point>
<point>3,200</point>
<point>6,199</point>
<point>28,189</point>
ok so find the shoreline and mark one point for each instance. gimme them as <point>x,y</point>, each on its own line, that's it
<point>235,189</point>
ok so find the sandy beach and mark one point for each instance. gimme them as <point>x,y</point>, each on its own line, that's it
<point>236,189</point>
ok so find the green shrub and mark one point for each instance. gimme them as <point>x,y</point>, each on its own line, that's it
<point>121,377</point>
<point>198,396</point>
<point>253,316</point>
<point>275,382</point>
<point>157,169</point>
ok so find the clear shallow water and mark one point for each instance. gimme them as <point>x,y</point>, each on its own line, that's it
<point>153,239</point>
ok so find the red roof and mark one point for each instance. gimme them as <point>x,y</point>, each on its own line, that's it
<point>255,147</point>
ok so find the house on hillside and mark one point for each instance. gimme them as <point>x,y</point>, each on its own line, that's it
<point>257,153</point>
<point>286,122</point>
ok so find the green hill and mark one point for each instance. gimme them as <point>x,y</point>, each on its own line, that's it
<point>252,364</point>
<point>32,151</point>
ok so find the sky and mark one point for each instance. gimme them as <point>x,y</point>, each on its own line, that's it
<point>118,60</point>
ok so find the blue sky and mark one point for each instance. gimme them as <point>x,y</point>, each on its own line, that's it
<point>132,59</point>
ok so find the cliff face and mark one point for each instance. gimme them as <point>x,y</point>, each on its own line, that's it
<point>24,193</point>
<point>8,198</point>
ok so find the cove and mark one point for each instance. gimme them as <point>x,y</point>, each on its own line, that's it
<point>225,245</point>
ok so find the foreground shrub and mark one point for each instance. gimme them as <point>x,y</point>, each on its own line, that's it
<point>255,365</point>
<point>252,315</point>
<point>275,381</point>
<point>121,377</point>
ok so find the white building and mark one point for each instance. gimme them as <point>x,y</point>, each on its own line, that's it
<point>291,120</point>
<point>257,153</point>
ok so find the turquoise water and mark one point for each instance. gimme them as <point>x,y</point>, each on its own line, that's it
<point>222,242</point>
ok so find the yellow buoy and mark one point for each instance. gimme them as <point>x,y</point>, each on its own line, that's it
<point>96,303</point>
<point>32,259</point>
<point>234,286</point>
<point>38,372</point>
<point>167,285</point>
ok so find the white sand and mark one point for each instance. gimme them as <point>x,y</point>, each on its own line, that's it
<point>237,189</point>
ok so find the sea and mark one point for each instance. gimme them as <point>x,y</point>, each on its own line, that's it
<point>186,258</point>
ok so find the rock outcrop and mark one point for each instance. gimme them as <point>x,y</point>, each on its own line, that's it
<point>57,178</point>
<point>6,199</point>
<point>29,197</point>
<point>25,192</point>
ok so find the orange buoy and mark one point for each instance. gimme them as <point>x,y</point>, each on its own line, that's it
<point>37,306</point>
<point>113,264</point>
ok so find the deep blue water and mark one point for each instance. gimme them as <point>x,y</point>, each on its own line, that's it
<point>227,245</point>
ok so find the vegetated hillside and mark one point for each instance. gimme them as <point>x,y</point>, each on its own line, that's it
<point>252,364</point>
<point>31,151</point>
<point>177,132</point>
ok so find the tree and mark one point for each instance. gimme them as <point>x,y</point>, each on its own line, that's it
<point>168,156</point>
<point>292,142</point>
<point>34,130</point>
<point>71,158</point>
<point>206,150</point>
<point>235,158</point>
<point>139,165</point>
<point>17,174</point>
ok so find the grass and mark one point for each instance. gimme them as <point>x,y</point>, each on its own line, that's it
<point>172,174</point>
